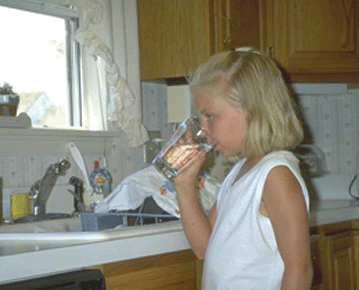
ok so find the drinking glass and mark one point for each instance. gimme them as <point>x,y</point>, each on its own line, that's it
<point>184,145</point>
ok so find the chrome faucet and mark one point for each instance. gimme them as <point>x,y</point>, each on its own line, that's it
<point>41,189</point>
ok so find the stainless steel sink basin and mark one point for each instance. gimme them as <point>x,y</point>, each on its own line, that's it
<point>72,224</point>
<point>42,217</point>
<point>59,232</point>
<point>54,231</point>
<point>43,235</point>
<point>65,231</point>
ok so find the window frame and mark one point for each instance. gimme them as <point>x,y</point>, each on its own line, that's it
<point>73,57</point>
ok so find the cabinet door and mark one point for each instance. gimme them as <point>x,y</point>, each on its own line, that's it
<point>172,271</point>
<point>317,261</point>
<point>235,23</point>
<point>341,261</point>
<point>314,40</point>
<point>174,37</point>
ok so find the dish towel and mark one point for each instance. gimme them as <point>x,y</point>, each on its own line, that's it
<point>133,190</point>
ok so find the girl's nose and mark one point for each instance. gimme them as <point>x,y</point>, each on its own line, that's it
<point>204,125</point>
<point>204,128</point>
<point>206,133</point>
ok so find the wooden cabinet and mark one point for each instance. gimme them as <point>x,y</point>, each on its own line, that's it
<point>235,23</point>
<point>341,261</point>
<point>176,36</point>
<point>314,41</point>
<point>334,250</point>
<point>173,37</point>
<point>179,270</point>
<point>356,253</point>
<point>317,261</point>
<point>335,256</point>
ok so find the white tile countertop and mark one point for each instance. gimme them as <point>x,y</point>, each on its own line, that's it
<point>332,211</point>
<point>32,258</point>
<point>27,260</point>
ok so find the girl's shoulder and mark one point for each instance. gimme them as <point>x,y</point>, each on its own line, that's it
<point>280,158</point>
<point>286,166</point>
<point>277,160</point>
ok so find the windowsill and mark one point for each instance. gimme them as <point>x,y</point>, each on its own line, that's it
<point>41,131</point>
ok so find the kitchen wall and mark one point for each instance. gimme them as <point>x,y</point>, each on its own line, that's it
<point>25,155</point>
<point>330,113</point>
<point>332,123</point>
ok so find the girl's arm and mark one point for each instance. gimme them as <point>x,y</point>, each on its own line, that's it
<point>197,225</point>
<point>285,206</point>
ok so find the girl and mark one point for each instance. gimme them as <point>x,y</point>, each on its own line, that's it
<point>256,235</point>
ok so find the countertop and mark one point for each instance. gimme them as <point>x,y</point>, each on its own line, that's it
<point>332,211</point>
<point>21,261</point>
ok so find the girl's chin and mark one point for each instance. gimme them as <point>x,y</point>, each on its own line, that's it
<point>223,153</point>
<point>227,153</point>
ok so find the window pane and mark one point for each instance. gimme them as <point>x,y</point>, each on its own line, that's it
<point>33,60</point>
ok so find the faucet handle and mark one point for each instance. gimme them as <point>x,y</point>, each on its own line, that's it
<point>62,166</point>
<point>34,191</point>
<point>77,193</point>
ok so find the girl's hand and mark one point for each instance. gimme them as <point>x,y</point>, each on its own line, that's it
<point>195,222</point>
<point>188,176</point>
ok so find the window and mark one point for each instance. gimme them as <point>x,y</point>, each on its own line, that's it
<point>41,61</point>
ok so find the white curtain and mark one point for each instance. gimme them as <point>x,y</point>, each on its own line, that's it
<point>108,34</point>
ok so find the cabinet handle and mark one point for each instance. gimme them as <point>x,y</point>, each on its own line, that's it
<point>314,238</point>
<point>229,26</point>
<point>270,52</point>
<point>226,41</point>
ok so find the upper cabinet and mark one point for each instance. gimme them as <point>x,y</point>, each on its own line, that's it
<point>313,41</point>
<point>174,37</point>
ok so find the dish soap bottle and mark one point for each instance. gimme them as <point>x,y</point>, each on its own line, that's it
<point>101,180</point>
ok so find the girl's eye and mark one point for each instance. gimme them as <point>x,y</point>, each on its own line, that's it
<point>209,117</point>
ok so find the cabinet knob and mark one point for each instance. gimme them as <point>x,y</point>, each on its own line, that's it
<point>270,52</point>
<point>226,41</point>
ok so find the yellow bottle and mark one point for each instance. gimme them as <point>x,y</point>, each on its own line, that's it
<point>20,205</point>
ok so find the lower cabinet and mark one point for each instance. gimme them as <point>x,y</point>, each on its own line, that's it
<point>334,249</point>
<point>173,271</point>
<point>317,261</point>
<point>335,255</point>
<point>341,261</point>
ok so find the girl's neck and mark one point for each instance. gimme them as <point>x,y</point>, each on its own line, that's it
<point>247,166</point>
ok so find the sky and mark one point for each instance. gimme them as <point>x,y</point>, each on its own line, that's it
<point>29,59</point>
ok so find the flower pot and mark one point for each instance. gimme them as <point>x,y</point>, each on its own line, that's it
<point>9,104</point>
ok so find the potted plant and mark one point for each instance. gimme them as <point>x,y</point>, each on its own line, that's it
<point>9,100</point>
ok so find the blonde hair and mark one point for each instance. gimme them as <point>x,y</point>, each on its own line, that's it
<point>254,82</point>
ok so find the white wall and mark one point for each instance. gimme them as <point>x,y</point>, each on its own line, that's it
<point>331,112</point>
<point>25,155</point>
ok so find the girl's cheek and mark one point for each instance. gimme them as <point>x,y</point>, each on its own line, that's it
<point>204,123</point>
<point>212,124</point>
<point>211,129</point>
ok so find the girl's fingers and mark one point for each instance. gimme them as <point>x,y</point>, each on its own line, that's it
<point>191,170</point>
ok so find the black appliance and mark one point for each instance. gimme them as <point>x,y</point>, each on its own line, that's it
<point>89,279</point>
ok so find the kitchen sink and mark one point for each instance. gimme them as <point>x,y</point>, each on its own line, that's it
<point>60,232</point>
<point>72,224</point>
<point>68,231</point>
<point>42,217</point>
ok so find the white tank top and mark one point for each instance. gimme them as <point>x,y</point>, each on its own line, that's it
<point>242,252</point>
